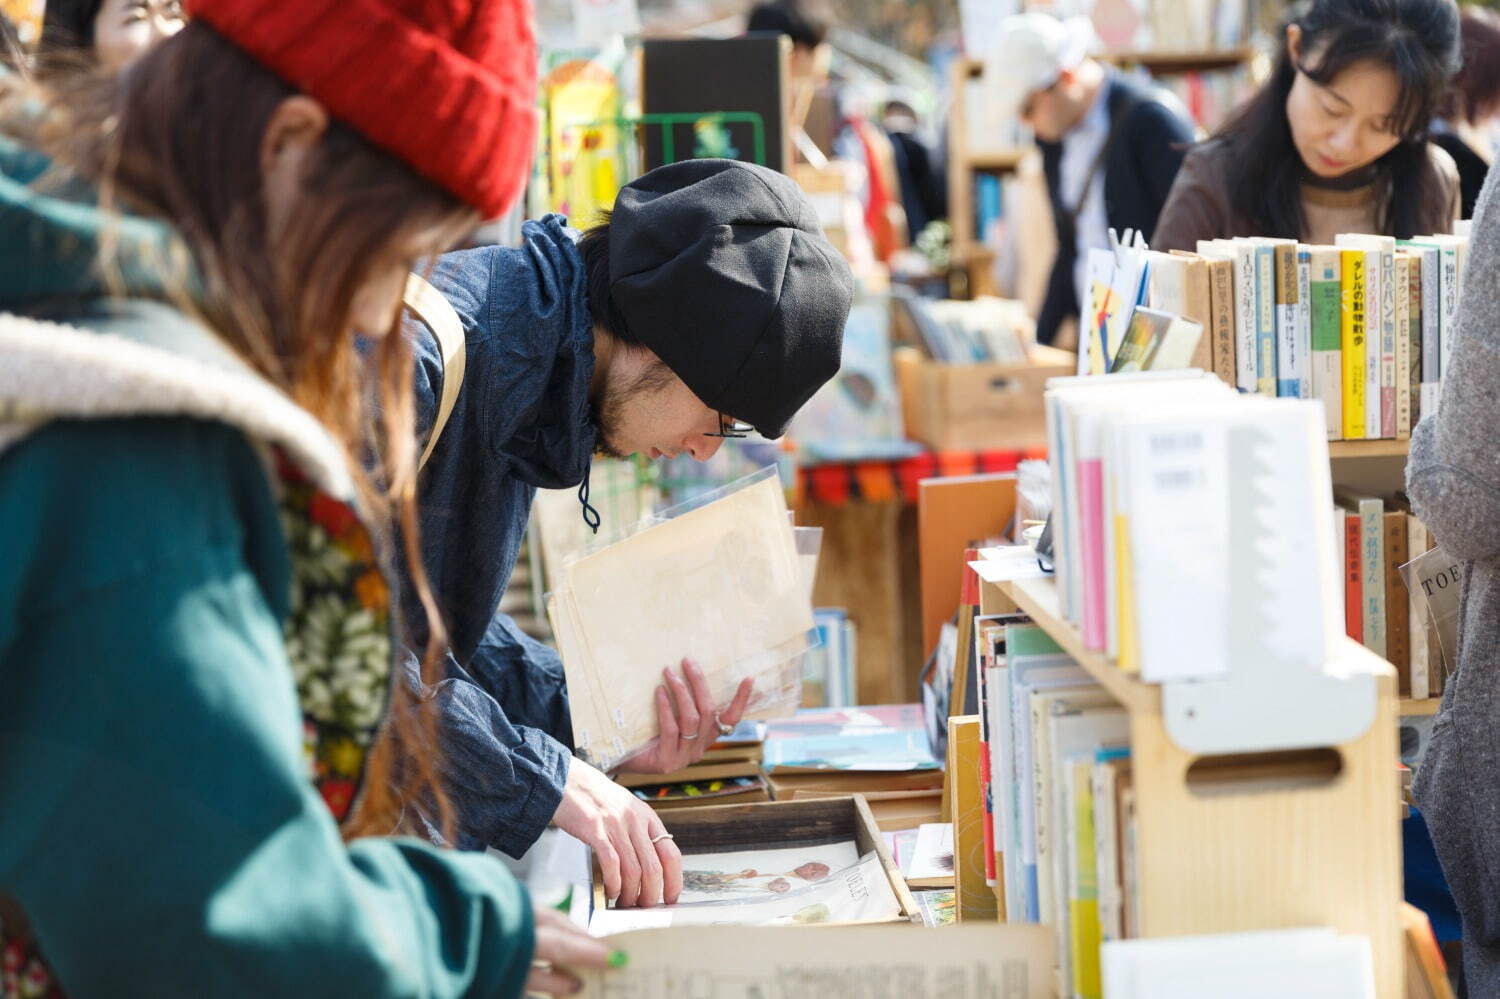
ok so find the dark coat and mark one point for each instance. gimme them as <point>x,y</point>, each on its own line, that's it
<point>1149,140</point>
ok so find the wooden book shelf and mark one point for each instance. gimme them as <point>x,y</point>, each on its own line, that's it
<point>1273,841</point>
<point>1166,62</point>
<point>1368,449</point>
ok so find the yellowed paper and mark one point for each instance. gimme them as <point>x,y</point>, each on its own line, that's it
<point>722,585</point>
<point>735,962</point>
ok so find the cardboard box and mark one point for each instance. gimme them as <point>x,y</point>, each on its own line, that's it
<point>776,824</point>
<point>977,407</point>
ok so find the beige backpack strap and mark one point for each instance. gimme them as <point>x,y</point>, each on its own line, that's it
<point>429,305</point>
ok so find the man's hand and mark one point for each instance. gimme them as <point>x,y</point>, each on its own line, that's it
<point>562,950</point>
<point>619,827</point>
<point>689,721</point>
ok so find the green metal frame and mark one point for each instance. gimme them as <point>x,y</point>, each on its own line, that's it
<point>669,121</point>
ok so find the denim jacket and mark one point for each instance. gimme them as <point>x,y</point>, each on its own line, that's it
<point>522,422</point>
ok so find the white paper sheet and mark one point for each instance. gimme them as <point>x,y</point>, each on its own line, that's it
<point>861,893</point>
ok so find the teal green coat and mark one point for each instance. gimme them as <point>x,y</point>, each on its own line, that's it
<point>157,828</point>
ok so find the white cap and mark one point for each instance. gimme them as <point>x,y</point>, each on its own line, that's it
<point>1030,53</point>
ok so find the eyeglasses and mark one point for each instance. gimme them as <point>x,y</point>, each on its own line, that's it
<point>731,429</point>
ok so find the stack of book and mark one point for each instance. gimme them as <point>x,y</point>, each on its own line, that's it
<point>1364,325</point>
<point>728,774</point>
<point>1376,537</point>
<point>880,752</point>
<point>1063,802</point>
<point>1151,474</point>
<point>1212,96</point>
<point>828,672</point>
<point>1163,26</point>
<point>968,332</point>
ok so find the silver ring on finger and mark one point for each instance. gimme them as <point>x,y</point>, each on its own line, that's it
<point>723,729</point>
<point>689,738</point>
<point>658,839</point>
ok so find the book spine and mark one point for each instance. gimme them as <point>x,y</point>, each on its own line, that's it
<point>1438,667</point>
<point>1246,321</point>
<point>1372,344</point>
<point>983,654</point>
<point>1265,320</point>
<point>1303,369</point>
<point>1415,319</point>
<point>1324,306</point>
<point>1222,297</point>
<point>1040,874</point>
<point>1402,371</point>
<point>1421,636</point>
<point>1353,602</point>
<point>1432,317</point>
<point>1352,341</point>
<point>1091,528</point>
<point>1129,864</point>
<point>1285,260</point>
<point>1387,343</point>
<point>1372,573</point>
<point>1198,306</point>
<point>1083,917</point>
<point>1107,849</point>
<point>1397,612</point>
<point>1447,326</point>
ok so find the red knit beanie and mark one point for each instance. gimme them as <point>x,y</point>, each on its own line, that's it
<point>448,86</point>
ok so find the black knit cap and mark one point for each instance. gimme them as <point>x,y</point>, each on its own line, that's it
<point>721,269</point>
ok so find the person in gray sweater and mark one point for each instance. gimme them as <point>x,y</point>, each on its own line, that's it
<point>1453,479</point>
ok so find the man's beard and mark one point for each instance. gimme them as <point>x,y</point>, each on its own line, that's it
<point>610,407</point>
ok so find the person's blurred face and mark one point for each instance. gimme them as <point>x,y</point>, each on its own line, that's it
<point>125,29</point>
<point>1047,113</point>
<point>1345,124</point>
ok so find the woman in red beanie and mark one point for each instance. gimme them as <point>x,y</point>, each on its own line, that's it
<point>195,622</point>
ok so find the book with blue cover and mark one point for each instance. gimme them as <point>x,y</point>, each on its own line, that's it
<point>879,739</point>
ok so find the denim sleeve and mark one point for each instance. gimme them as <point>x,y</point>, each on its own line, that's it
<point>525,677</point>
<point>504,781</point>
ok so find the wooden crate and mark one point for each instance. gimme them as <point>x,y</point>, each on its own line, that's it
<point>802,822</point>
<point>977,407</point>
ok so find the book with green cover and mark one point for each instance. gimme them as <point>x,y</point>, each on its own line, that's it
<point>1325,288</point>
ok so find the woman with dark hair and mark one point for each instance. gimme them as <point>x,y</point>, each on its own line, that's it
<point>1336,140</point>
<point>1473,101</point>
<point>198,772</point>
<point>107,33</point>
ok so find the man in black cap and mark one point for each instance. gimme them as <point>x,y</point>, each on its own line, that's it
<point>707,305</point>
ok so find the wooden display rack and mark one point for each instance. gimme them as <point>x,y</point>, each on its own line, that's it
<point>1276,841</point>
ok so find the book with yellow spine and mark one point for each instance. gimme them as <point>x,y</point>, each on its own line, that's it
<point>1352,314</point>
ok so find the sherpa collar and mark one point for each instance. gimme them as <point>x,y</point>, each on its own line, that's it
<point>140,358</point>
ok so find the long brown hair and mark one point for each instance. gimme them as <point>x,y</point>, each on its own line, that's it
<point>178,135</point>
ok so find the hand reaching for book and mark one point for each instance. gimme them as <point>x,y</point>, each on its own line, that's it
<point>689,720</point>
<point>640,863</point>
